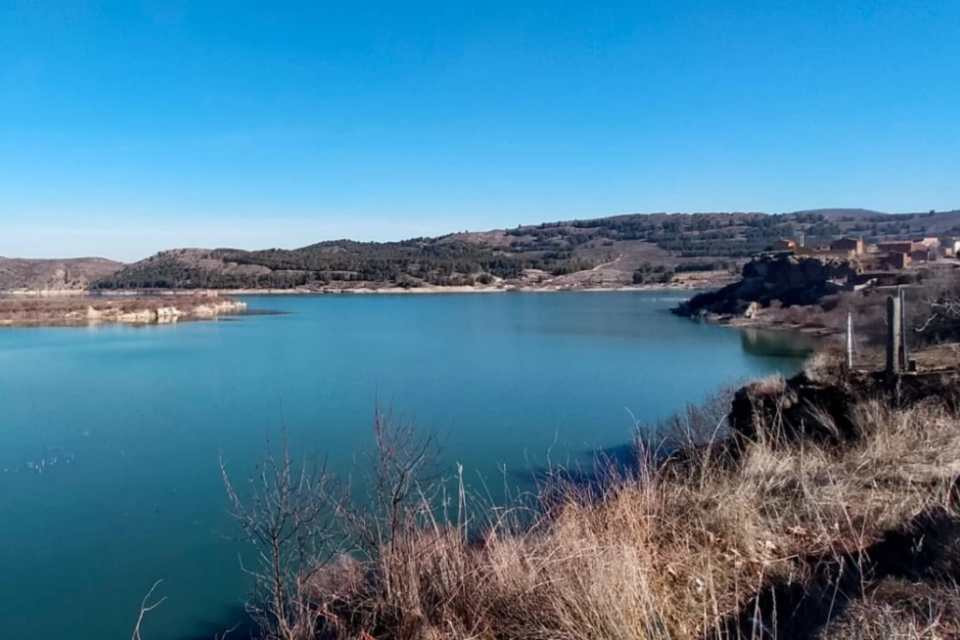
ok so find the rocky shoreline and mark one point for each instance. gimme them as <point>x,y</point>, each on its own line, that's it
<point>451,289</point>
<point>782,292</point>
<point>67,311</point>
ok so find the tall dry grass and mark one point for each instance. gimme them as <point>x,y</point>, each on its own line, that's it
<point>691,543</point>
<point>668,550</point>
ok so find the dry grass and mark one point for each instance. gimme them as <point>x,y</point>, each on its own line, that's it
<point>902,610</point>
<point>671,551</point>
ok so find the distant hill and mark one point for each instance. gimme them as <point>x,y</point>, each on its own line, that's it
<point>67,274</point>
<point>847,214</point>
<point>593,252</point>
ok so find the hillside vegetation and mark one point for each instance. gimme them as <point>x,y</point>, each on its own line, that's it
<point>618,250</point>
<point>71,274</point>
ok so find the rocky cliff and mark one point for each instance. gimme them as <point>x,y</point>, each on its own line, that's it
<point>788,279</point>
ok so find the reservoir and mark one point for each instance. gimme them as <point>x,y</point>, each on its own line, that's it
<point>110,436</point>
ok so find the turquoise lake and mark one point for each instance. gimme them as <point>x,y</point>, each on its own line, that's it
<point>110,436</point>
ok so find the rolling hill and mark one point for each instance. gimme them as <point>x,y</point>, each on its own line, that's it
<point>45,275</point>
<point>603,252</point>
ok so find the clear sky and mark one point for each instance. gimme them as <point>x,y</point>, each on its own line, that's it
<point>128,127</point>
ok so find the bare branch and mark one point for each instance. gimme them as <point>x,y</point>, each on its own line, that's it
<point>145,608</point>
<point>288,518</point>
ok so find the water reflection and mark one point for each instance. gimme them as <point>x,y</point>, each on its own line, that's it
<point>781,344</point>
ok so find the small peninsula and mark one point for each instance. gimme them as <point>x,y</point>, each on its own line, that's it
<point>84,310</point>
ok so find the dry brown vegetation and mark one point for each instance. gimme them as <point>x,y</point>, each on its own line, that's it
<point>67,274</point>
<point>764,537</point>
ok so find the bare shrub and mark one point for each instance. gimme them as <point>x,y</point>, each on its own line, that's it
<point>934,309</point>
<point>289,520</point>
<point>827,365</point>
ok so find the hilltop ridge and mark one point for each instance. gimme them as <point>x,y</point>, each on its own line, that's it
<point>607,252</point>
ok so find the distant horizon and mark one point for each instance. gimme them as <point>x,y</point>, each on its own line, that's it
<point>215,245</point>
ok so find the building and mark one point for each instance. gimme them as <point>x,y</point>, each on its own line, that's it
<point>895,261</point>
<point>784,244</point>
<point>900,246</point>
<point>923,255</point>
<point>854,245</point>
<point>948,246</point>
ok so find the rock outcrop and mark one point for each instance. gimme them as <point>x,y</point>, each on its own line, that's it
<point>792,409</point>
<point>806,407</point>
<point>92,310</point>
<point>788,279</point>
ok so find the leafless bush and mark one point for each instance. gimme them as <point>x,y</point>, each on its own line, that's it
<point>934,309</point>
<point>289,518</point>
<point>397,522</point>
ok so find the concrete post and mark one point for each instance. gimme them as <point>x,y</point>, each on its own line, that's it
<point>894,338</point>
<point>849,341</point>
<point>904,355</point>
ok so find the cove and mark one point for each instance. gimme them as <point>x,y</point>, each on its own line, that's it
<point>110,436</point>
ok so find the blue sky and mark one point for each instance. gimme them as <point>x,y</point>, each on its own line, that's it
<point>129,127</point>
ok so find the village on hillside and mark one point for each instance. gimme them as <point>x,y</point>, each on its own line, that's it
<point>881,262</point>
<point>813,285</point>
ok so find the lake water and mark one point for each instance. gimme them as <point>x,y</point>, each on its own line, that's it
<point>109,437</point>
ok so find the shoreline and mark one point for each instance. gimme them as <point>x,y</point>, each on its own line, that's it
<point>426,290</point>
<point>80,311</point>
<point>78,308</point>
<point>815,331</point>
<point>419,291</point>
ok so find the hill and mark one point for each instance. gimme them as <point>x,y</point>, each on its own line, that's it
<point>610,251</point>
<point>67,274</point>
